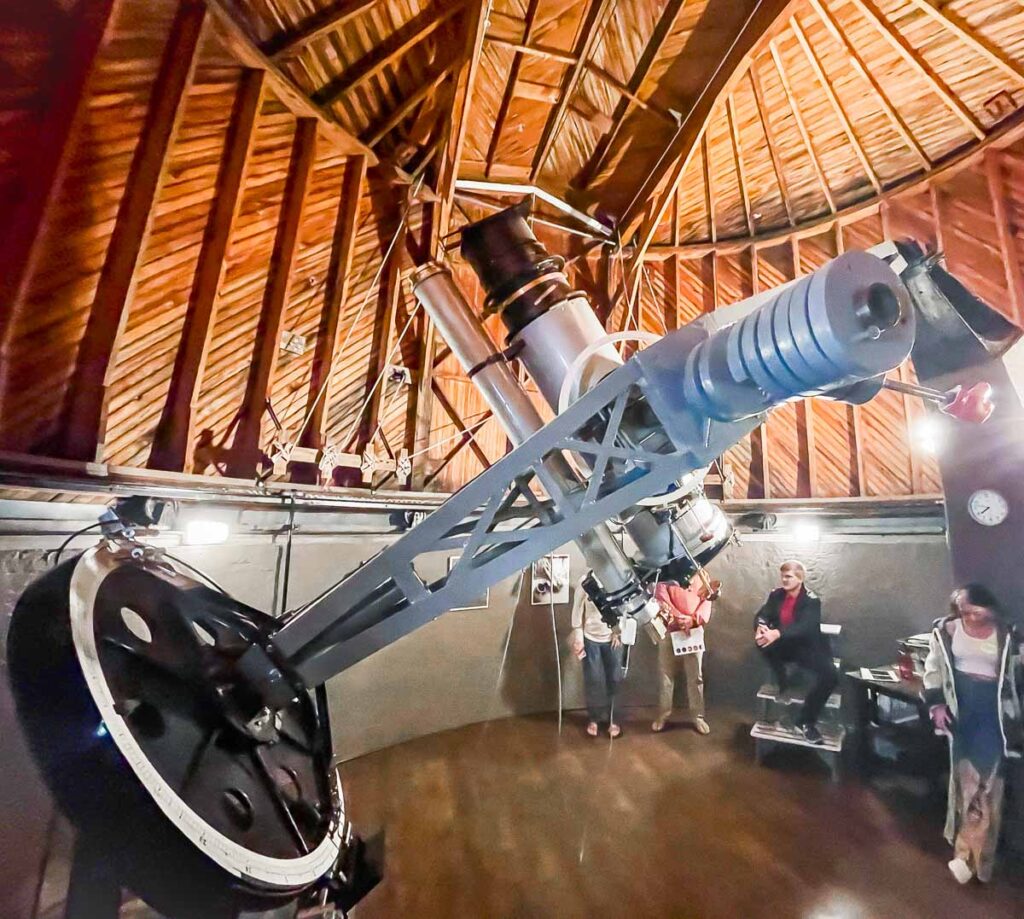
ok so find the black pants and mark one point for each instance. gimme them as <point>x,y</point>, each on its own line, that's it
<point>812,657</point>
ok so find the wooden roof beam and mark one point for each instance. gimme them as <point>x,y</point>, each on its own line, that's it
<point>801,127</point>
<point>1008,134</point>
<point>510,88</point>
<point>313,27</point>
<point>388,52</point>
<point>81,430</point>
<point>376,134</point>
<point>335,296</point>
<point>175,435</point>
<point>837,106</point>
<point>588,36</point>
<point>902,47</point>
<point>462,102</point>
<point>652,49</point>
<point>78,43</point>
<point>241,45</point>
<point>737,152</point>
<point>709,188</point>
<point>762,114</point>
<point>857,62</point>
<point>245,449</point>
<point>654,194</point>
<point>959,26</point>
<point>548,54</point>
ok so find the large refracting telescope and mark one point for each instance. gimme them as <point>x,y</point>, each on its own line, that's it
<point>179,725</point>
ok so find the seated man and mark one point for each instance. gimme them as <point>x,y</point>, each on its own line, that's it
<point>787,629</point>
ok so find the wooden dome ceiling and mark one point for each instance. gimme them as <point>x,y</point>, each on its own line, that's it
<point>187,179</point>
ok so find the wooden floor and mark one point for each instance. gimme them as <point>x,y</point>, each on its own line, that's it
<point>509,819</point>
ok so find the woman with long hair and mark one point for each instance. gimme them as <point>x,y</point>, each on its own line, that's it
<point>971,687</point>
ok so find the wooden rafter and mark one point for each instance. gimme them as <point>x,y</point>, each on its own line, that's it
<point>561,57</point>
<point>798,120</point>
<point>548,54</point>
<point>245,449</point>
<point>450,411</point>
<point>389,51</point>
<point>652,49</point>
<point>462,101</point>
<point>316,26</point>
<point>174,438</point>
<point>654,194</point>
<point>805,407</point>
<point>82,423</point>
<point>959,27</point>
<point>78,46</point>
<point>737,153</point>
<point>405,108</point>
<point>902,47</point>
<point>238,41</point>
<point>867,73</point>
<point>709,189</point>
<point>766,128</point>
<point>590,32</point>
<point>1004,233</point>
<point>510,87</point>
<point>837,106</point>
<point>336,291</point>
<point>1009,133</point>
<point>390,298</point>
<point>468,436</point>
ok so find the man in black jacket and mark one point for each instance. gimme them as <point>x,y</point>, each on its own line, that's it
<point>787,629</point>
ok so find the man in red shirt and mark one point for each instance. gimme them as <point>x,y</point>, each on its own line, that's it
<point>683,609</point>
<point>787,629</point>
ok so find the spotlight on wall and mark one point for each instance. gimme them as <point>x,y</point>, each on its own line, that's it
<point>806,530</point>
<point>206,532</point>
<point>928,435</point>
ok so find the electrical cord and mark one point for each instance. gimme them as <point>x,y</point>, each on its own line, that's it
<point>67,542</point>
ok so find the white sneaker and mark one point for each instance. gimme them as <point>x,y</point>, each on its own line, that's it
<point>960,870</point>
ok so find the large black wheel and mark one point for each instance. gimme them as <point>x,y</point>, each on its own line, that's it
<point>122,670</point>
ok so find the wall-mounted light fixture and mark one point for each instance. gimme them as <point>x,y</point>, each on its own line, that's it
<point>206,532</point>
<point>806,530</point>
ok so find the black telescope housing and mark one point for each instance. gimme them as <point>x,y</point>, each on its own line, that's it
<point>521,278</point>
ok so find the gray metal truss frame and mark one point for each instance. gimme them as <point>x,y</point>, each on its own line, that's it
<point>386,598</point>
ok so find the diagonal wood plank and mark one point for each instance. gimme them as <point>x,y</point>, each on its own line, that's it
<point>417,30</point>
<point>653,195</point>
<point>81,431</point>
<point>321,23</point>
<point>239,42</point>
<point>245,449</point>
<point>662,30</point>
<point>173,440</point>
<point>314,435</point>
<point>78,46</point>
<point>590,31</point>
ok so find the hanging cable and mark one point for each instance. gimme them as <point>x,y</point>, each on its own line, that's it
<point>67,542</point>
<point>554,632</point>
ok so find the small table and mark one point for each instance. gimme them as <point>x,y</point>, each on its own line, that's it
<point>864,695</point>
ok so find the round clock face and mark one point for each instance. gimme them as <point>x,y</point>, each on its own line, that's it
<point>987,507</point>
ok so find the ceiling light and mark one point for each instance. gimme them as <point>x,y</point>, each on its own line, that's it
<point>206,532</point>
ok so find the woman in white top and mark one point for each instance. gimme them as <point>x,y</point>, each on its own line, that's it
<point>598,646</point>
<point>970,685</point>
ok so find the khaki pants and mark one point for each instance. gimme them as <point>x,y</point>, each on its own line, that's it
<point>685,673</point>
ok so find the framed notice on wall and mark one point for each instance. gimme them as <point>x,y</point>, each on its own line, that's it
<point>549,580</point>
<point>481,602</point>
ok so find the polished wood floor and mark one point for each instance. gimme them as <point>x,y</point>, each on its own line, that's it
<point>511,819</point>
